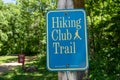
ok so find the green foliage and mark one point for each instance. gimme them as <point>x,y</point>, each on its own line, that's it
<point>104,28</point>
<point>22,26</point>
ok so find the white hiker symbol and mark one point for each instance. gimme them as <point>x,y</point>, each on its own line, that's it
<point>77,35</point>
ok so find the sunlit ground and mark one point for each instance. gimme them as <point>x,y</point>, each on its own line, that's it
<point>17,73</point>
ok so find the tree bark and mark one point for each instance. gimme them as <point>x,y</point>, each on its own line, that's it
<point>78,3</point>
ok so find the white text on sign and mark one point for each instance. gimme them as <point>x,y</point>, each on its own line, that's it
<point>58,35</point>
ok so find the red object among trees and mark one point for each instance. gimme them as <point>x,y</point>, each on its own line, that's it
<point>21,59</point>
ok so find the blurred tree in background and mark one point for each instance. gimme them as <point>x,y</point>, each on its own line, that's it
<point>104,39</point>
<point>23,26</point>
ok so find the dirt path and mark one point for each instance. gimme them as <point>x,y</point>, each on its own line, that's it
<point>8,66</point>
<point>4,67</point>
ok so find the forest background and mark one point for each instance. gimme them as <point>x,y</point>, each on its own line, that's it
<point>23,28</point>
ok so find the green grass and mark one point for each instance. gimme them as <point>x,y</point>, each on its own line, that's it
<point>5,59</point>
<point>18,74</point>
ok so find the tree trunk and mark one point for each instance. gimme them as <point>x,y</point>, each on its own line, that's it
<point>78,3</point>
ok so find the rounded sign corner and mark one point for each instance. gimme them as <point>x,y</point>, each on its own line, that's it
<point>48,67</point>
<point>48,12</point>
<point>86,67</point>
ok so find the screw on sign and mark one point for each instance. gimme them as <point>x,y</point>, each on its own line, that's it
<point>21,59</point>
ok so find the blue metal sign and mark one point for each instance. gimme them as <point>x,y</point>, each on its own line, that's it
<point>67,40</point>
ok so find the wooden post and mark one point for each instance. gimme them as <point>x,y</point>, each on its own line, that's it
<point>63,4</point>
<point>70,4</point>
